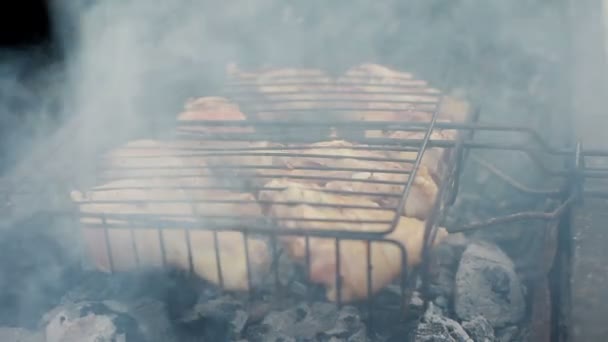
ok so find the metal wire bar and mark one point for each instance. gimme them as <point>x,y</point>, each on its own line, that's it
<point>527,215</point>
<point>348,103</point>
<point>243,219</point>
<point>262,227</point>
<point>430,228</point>
<point>533,153</point>
<point>247,261</point>
<point>189,249</point>
<point>405,84</point>
<point>416,90</point>
<point>307,264</point>
<point>269,167</point>
<point>271,148</point>
<point>267,154</point>
<point>134,247</point>
<point>338,274</point>
<point>161,243</point>
<point>286,203</point>
<point>515,184</point>
<point>218,263</point>
<point>406,191</point>
<point>108,247</point>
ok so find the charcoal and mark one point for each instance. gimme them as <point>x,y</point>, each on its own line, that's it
<point>91,321</point>
<point>218,319</point>
<point>432,332</point>
<point>435,327</point>
<point>479,329</point>
<point>487,285</point>
<point>348,327</point>
<point>315,322</point>
<point>143,319</point>
<point>153,320</point>
<point>416,305</point>
<point>447,256</point>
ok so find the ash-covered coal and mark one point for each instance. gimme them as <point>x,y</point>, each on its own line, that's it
<point>155,306</point>
<point>479,329</point>
<point>314,322</point>
<point>92,322</point>
<point>434,326</point>
<point>487,285</point>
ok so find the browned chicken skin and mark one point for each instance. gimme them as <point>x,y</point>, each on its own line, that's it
<point>173,205</point>
<point>359,170</point>
<point>204,109</point>
<point>386,258</point>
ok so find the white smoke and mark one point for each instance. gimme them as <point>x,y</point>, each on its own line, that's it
<point>130,64</point>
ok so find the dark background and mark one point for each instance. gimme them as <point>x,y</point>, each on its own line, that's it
<point>24,23</point>
<point>27,50</point>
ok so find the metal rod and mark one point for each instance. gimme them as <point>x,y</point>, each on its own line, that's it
<point>528,215</point>
<point>410,181</point>
<point>275,258</point>
<point>370,269</point>
<point>134,247</point>
<point>515,184</point>
<point>163,252</point>
<point>218,263</point>
<point>338,274</point>
<point>269,154</point>
<point>323,101</point>
<point>403,84</point>
<point>106,236</point>
<point>191,269</point>
<point>307,264</point>
<point>247,262</point>
<point>198,201</point>
<point>241,93</point>
<point>205,148</point>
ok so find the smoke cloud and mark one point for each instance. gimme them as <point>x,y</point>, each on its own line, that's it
<point>129,65</point>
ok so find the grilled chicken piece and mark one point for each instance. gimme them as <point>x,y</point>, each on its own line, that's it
<point>283,93</point>
<point>372,92</point>
<point>236,159</point>
<point>454,109</point>
<point>434,158</point>
<point>367,169</point>
<point>336,158</point>
<point>390,95</point>
<point>152,158</point>
<point>281,83</point>
<point>157,201</point>
<point>419,201</point>
<point>386,258</point>
<point>332,150</point>
<point>401,97</point>
<point>341,166</point>
<point>199,112</point>
<point>278,163</point>
<point>285,190</point>
<point>378,74</point>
